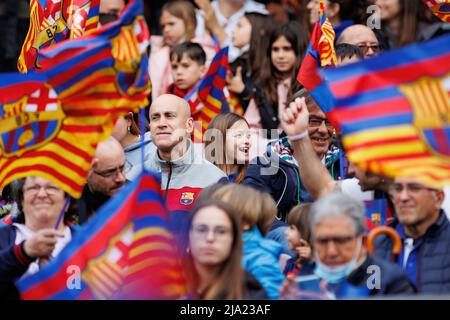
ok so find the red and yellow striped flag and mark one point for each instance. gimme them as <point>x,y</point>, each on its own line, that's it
<point>51,121</point>
<point>53,21</point>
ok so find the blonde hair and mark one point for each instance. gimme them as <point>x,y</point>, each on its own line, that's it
<point>253,206</point>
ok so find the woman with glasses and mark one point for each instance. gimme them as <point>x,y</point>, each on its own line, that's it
<point>214,253</point>
<point>39,233</point>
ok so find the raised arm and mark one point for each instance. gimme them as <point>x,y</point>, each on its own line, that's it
<point>315,177</point>
<point>211,22</point>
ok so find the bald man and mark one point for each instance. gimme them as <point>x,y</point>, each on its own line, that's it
<point>363,37</point>
<point>184,171</point>
<point>105,178</point>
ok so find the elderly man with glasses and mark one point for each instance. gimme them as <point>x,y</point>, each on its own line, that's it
<point>425,231</point>
<point>343,266</point>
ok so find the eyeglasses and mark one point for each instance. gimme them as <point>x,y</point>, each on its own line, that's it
<point>111,172</point>
<point>339,241</point>
<point>365,48</point>
<point>203,230</point>
<point>34,190</point>
<point>315,122</point>
<point>396,189</point>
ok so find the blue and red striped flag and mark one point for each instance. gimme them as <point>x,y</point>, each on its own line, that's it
<point>208,99</point>
<point>125,251</point>
<point>53,21</point>
<point>394,111</point>
<point>320,53</point>
<point>52,120</point>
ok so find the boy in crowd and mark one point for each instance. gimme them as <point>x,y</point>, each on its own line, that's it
<point>188,67</point>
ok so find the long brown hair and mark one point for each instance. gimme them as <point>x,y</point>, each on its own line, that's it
<point>228,281</point>
<point>409,22</point>
<point>297,36</point>
<point>185,11</point>
<point>262,27</point>
<point>409,15</point>
<point>223,122</point>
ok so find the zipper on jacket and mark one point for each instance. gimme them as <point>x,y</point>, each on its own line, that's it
<point>168,181</point>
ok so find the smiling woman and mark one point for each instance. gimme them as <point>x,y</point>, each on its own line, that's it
<point>38,235</point>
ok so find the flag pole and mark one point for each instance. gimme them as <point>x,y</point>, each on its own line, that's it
<point>63,210</point>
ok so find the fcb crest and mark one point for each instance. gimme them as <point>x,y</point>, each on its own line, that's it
<point>430,101</point>
<point>187,198</point>
<point>30,122</point>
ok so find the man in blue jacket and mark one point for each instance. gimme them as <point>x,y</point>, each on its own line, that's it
<point>425,231</point>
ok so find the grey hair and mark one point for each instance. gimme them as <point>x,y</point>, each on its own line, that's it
<point>338,204</point>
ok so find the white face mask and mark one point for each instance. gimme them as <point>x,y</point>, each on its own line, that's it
<point>338,273</point>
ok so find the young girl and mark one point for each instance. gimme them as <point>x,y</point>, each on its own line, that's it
<point>251,36</point>
<point>178,23</point>
<point>228,145</point>
<point>298,235</point>
<point>287,47</point>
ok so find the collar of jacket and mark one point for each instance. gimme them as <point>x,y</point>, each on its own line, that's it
<point>137,145</point>
<point>432,231</point>
<point>181,164</point>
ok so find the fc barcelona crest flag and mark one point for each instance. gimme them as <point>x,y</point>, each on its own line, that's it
<point>394,111</point>
<point>126,251</point>
<point>52,120</point>
<point>52,21</point>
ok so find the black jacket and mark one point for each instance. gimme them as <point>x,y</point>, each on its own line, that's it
<point>267,110</point>
<point>13,262</point>
<point>392,279</point>
<point>433,270</point>
<point>284,183</point>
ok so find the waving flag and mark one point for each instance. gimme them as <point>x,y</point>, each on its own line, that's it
<point>440,8</point>
<point>125,252</point>
<point>51,121</point>
<point>394,111</point>
<point>52,21</point>
<point>208,99</point>
<point>320,53</point>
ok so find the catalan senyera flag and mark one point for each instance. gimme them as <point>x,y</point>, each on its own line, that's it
<point>126,251</point>
<point>440,8</point>
<point>320,53</point>
<point>52,120</point>
<point>52,21</point>
<point>208,99</point>
<point>394,111</point>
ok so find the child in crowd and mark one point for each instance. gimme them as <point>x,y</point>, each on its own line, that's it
<point>251,36</point>
<point>348,53</point>
<point>287,47</point>
<point>178,23</point>
<point>188,67</point>
<point>298,235</point>
<point>228,143</point>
